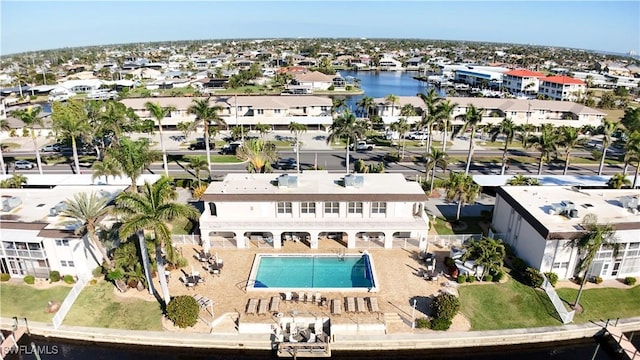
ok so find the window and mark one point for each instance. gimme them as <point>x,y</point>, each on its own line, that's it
<point>63,263</point>
<point>284,207</point>
<point>331,207</point>
<point>277,111</point>
<point>308,208</point>
<point>260,111</point>
<point>560,265</point>
<point>62,242</point>
<point>355,207</point>
<point>70,263</point>
<point>324,108</point>
<point>378,207</point>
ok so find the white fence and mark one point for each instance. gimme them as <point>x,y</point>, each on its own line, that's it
<point>186,239</point>
<point>565,316</point>
<point>452,240</point>
<point>68,302</point>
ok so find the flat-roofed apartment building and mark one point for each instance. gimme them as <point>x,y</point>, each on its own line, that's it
<point>541,222</point>
<point>522,81</point>
<point>352,211</point>
<point>520,111</point>
<point>277,111</point>
<point>562,88</point>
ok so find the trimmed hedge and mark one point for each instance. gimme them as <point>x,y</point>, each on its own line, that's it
<point>552,277</point>
<point>5,277</point>
<point>630,280</point>
<point>533,277</point>
<point>423,323</point>
<point>462,278</point>
<point>183,311</point>
<point>69,279</point>
<point>29,279</point>
<point>54,276</point>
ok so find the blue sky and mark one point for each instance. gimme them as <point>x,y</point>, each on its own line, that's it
<point>596,25</point>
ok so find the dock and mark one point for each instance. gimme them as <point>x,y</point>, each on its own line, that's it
<point>11,338</point>
<point>306,350</point>
<point>625,346</point>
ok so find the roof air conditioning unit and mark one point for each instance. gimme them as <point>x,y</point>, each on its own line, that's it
<point>349,180</point>
<point>283,180</point>
<point>568,205</point>
<point>10,202</point>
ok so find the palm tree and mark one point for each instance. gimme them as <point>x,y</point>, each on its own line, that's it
<point>348,127</point>
<point>546,143</point>
<point>297,129</point>
<point>607,129</point>
<point>507,128</point>
<point>197,164</point>
<point>29,117</point>
<point>70,121</point>
<point>113,120</point>
<point>435,158</point>
<point>525,133</point>
<point>107,167</point>
<point>158,113</point>
<point>618,181</point>
<point>88,210</point>
<point>338,104</point>
<point>366,104</point>
<point>632,153</point>
<point>263,129</point>
<point>260,155</point>
<point>487,252</point>
<point>402,128</point>
<point>206,114</point>
<point>150,212</point>
<point>133,157</point>
<point>4,126</point>
<point>472,119</point>
<point>445,110</point>
<point>521,180</point>
<point>461,188</point>
<point>185,128</point>
<point>596,237</point>
<point>393,100</point>
<point>570,139</point>
<point>431,100</point>
<point>16,181</point>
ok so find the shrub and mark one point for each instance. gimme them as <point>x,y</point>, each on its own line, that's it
<point>54,276</point>
<point>116,274</point>
<point>97,272</point>
<point>498,276</point>
<point>331,88</point>
<point>488,278</point>
<point>93,281</point>
<point>29,279</point>
<point>182,262</point>
<point>519,264</point>
<point>183,311</point>
<point>577,279</point>
<point>597,280</point>
<point>629,280</point>
<point>445,306</point>
<point>69,279</point>
<point>508,249</point>
<point>440,324</point>
<point>449,262</point>
<point>423,323</point>
<point>462,278</point>
<point>5,277</point>
<point>533,277</point>
<point>393,156</point>
<point>552,277</point>
<point>471,278</point>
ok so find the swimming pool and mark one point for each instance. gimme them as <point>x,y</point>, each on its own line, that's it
<point>328,272</point>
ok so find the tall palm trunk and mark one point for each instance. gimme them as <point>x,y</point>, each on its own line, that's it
<point>161,276</point>
<point>35,143</point>
<point>433,179</point>
<point>471,146</point>
<point>635,178</point>
<point>2,164</point>
<point>144,253</point>
<point>459,207</point>
<point>504,157</point>
<point>164,151</point>
<point>444,139</point>
<point>74,148</point>
<point>103,251</point>
<point>347,158</point>
<point>540,165</point>
<point>604,155</point>
<point>566,162</point>
<point>297,155</point>
<point>206,145</point>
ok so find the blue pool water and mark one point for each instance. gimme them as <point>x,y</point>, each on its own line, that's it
<point>317,272</point>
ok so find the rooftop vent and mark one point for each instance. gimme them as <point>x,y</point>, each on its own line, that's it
<point>286,180</point>
<point>629,202</point>
<point>56,210</point>
<point>353,180</point>
<point>10,202</point>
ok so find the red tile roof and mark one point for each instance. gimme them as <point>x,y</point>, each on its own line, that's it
<point>563,80</point>
<point>525,73</point>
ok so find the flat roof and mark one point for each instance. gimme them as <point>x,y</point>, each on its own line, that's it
<point>37,203</point>
<point>547,180</point>
<point>536,203</point>
<point>314,185</point>
<point>81,179</point>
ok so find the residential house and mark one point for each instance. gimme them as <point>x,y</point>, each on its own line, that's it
<point>351,211</point>
<point>522,81</point>
<point>541,225</point>
<point>563,88</point>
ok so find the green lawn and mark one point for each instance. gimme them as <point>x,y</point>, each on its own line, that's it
<point>181,227</point>
<point>23,300</point>
<point>510,305</point>
<point>220,159</point>
<point>97,306</point>
<point>605,303</point>
<point>443,226</point>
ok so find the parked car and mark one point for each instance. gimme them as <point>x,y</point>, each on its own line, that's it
<point>286,164</point>
<point>230,148</point>
<point>51,148</point>
<point>200,145</point>
<point>23,164</point>
<point>418,135</point>
<point>362,146</point>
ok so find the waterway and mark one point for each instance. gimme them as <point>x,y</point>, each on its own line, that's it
<point>52,349</point>
<point>380,84</point>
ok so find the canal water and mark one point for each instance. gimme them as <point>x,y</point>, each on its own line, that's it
<point>51,349</point>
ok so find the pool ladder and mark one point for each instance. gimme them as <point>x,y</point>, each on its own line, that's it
<point>341,254</point>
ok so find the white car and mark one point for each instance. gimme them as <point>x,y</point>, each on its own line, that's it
<point>23,164</point>
<point>51,148</point>
<point>418,135</point>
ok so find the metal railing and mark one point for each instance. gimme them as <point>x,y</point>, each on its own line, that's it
<point>452,240</point>
<point>186,239</point>
<point>565,316</point>
<point>68,301</point>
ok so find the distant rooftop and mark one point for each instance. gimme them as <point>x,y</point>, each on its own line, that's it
<point>547,180</point>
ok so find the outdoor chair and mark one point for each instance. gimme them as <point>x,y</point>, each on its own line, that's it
<point>361,305</point>
<point>373,303</point>
<point>288,296</point>
<point>318,298</point>
<point>351,304</point>
<point>252,306</point>
<point>275,304</point>
<point>263,305</point>
<point>336,306</point>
